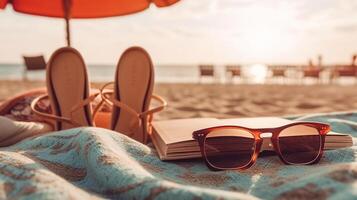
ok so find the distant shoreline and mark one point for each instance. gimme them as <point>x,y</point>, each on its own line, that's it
<point>167,73</point>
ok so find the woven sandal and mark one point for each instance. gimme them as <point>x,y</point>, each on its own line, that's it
<point>132,94</point>
<point>68,90</point>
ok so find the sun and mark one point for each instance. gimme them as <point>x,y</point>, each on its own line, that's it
<point>257,73</point>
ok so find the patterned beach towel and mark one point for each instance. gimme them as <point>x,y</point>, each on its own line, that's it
<point>91,163</point>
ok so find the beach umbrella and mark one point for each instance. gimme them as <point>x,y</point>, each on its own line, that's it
<point>82,9</point>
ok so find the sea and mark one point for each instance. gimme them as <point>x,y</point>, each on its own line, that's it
<point>252,74</point>
<point>104,73</point>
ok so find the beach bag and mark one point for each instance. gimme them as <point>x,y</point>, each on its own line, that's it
<point>18,108</point>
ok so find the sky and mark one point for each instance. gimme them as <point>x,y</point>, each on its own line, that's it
<point>197,31</point>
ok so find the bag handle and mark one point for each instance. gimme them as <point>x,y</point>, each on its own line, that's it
<point>70,120</point>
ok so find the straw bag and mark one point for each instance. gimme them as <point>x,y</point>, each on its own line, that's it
<point>18,108</point>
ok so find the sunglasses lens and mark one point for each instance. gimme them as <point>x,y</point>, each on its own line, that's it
<point>299,144</point>
<point>229,148</point>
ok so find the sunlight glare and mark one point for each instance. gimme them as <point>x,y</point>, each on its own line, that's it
<point>257,73</point>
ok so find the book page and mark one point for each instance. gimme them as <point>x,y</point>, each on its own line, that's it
<point>264,122</point>
<point>179,130</point>
<point>257,122</point>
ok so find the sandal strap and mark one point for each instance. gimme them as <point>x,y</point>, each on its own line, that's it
<point>111,101</point>
<point>150,113</point>
<point>156,109</point>
<point>59,118</point>
<point>86,102</point>
<point>136,122</point>
<point>137,116</point>
<point>97,108</point>
<point>47,116</point>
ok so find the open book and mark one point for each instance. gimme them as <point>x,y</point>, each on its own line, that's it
<point>173,138</point>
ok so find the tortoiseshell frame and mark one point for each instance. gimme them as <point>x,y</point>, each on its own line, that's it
<point>323,129</point>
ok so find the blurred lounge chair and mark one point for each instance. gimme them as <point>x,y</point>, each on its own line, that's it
<point>312,72</point>
<point>343,71</point>
<point>206,71</point>
<point>278,73</point>
<point>340,71</point>
<point>233,71</point>
<point>33,63</point>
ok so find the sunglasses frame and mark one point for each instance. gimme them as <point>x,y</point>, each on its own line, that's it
<point>323,129</point>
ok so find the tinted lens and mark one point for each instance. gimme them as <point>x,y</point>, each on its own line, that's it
<point>299,144</point>
<point>229,148</point>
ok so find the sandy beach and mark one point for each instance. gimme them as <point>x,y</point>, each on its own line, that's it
<point>228,101</point>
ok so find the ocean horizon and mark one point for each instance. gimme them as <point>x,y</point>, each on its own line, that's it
<point>105,72</point>
<point>174,73</point>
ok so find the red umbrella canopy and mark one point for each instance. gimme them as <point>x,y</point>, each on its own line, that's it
<point>82,8</point>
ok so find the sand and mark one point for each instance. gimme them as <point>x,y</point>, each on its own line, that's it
<point>228,101</point>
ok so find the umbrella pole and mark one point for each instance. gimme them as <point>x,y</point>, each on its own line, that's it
<point>67,4</point>
<point>68,33</point>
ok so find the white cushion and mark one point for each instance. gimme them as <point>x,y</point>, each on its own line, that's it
<point>12,132</point>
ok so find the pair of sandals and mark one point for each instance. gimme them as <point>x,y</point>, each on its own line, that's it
<point>69,93</point>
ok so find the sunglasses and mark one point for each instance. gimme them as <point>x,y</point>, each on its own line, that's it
<point>235,147</point>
